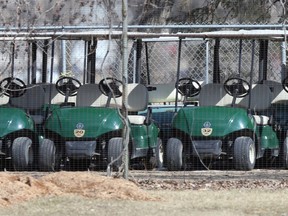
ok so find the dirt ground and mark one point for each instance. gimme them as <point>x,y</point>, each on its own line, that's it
<point>258,192</point>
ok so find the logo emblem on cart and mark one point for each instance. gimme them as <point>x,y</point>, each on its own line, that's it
<point>79,132</point>
<point>206,130</point>
<point>79,125</point>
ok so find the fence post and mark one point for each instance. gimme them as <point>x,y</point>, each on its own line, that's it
<point>125,133</point>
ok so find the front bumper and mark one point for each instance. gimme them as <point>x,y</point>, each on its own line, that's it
<point>80,149</point>
<point>206,148</point>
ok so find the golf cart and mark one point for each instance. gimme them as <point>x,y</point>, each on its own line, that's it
<point>20,121</point>
<point>232,123</point>
<point>89,131</point>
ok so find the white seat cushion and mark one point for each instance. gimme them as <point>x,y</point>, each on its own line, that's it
<point>261,119</point>
<point>136,119</point>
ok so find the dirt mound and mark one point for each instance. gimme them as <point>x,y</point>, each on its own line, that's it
<point>15,188</point>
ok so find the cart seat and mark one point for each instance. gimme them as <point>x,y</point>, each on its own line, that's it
<point>164,93</point>
<point>279,95</point>
<point>51,94</point>
<point>136,119</point>
<point>261,119</point>
<point>137,99</point>
<point>4,100</point>
<point>32,101</point>
<point>261,98</point>
<point>90,95</point>
<point>213,94</point>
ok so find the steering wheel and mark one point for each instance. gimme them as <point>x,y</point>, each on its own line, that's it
<point>12,87</point>
<point>285,84</point>
<point>188,87</point>
<point>114,85</point>
<point>68,85</point>
<point>237,87</point>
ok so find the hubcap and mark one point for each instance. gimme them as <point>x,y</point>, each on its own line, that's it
<point>161,154</point>
<point>251,154</point>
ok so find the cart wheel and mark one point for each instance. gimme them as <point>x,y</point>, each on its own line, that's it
<point>244,153</point>
<point>47,156</point>
<point>159,154</point>
<point>284,156</point>
<point>115,148</point>
<point>22,154</point>
<point>174,154</point>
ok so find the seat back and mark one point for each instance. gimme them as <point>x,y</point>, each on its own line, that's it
<point>213,94</point>
<point>137,98</point>
<point>4,99</point>
<point>279,95</point>
<point>52,94</point>
<point>164,93</point>
<point>32,99</point>
<point>90,95</point>
<point>261,98</point>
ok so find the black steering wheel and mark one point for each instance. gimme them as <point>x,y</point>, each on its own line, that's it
<point>114,85</point>
<point>188,87</point>
<point>285,84</point>
<point>68,86</point>
<point>12,87</point>
<point>236,86</point>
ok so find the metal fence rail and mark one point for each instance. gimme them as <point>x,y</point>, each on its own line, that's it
<point>159,57</point>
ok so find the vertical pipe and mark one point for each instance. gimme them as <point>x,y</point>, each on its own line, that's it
<point>51,71</point>
<point>85,63</point>
<point>63,54</point>
<point>125,134</point>
<point>207,62</point>
<point>216,62</point>
<point>134,63</point>
<point>44,62</point>
<point>283,60</point>
<point>147,64</point>
<point>13,58</point>
<point>91,60</point>
<point>138,60</point>
<point>178,71</point>
<point>263,59</point>
<point>28,62</point>
<point>240,57</point>
<point>34,63</point>
<point>52,61</point>
<point>251,75</point>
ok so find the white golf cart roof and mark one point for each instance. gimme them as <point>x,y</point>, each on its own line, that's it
<point>106,34</point>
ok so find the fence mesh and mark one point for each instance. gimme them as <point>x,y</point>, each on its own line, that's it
<point>153,63</point>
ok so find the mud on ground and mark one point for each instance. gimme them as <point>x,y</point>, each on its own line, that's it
<point>16,187</point>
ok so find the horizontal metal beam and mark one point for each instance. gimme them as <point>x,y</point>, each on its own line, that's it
<point>118,27</point>
<point>106,34</point>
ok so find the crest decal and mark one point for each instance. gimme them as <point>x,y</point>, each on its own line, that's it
<point>79,131</point>
<point>206,130</point>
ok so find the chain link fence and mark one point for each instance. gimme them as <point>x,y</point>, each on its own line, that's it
<point>157,61</point>
<point>160,59</point>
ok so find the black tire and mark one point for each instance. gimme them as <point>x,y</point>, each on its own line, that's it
<point>159,154</point>
<point>244,157</point>
<point>284,155</point>
<point>115,148</point>
<point>47,156</point>
<point>22,154</point>
<point>174,154</point>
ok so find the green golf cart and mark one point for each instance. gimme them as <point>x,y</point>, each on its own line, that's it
<point>89,131</point>
<point>21,121</point>
<point>225,126</point>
